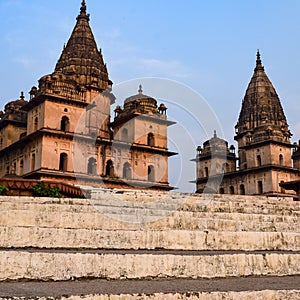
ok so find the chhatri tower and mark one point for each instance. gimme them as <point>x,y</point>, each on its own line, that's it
<point>65,133</point>
<point>264,147</point>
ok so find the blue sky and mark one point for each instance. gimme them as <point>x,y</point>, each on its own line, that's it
<point>209,46</point>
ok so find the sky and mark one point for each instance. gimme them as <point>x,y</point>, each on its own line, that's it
<point>204,51</point>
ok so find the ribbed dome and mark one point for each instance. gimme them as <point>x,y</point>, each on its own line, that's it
<point>13,110</point>
<point>81,60</point>
<point>141,102</point>
<point>139,96</point>
<point>261,106</point>
<point>215,145</point>
<point>15,105</point>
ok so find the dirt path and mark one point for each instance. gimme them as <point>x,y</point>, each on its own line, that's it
<point>98,286</point>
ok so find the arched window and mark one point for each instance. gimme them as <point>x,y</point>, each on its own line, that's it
<point>124,137</point>
<point>225,168</point>
<point>127,174</point>
<point>21,167</point>
<point>281,159</point>
<point>63,162</point>
<point>92,166</point>
<point>258,160</point>
<point>282,189</point>
<point>206,171</point>
<point>260,187</point>
<point>231,190</point>
<point>14,167</point>
<point>32,161</point>
<point>64,123</point>
<point>242,189</point>
<point>221,190</point>
<point>151,173</point>
<point>109,168</point>
<point>150,139</point>
<point>35,124</point>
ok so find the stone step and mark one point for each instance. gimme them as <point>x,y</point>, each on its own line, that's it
<point>87,209</point>
<point>285,207</point>
<point>97,219</point>
<point>249,288</point>
<point>203,205</point>
<point>24,237</point>
<point>47,266</point>
<point>146,196</point>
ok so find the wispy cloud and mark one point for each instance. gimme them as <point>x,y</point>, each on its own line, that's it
<point>170,68</point>
<point>134,65</point>
<point>26,62</point>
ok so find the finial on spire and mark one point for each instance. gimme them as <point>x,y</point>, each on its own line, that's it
<point>83,7</point>
<point>215,133</point>
<point>83,14</point>
<point>258,60</point>
<point>140,89</point>
<point>259,65</point>
<point>22,96</point>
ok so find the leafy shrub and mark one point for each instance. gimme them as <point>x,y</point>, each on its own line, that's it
<point>42,190</point>
<point>3,189</point>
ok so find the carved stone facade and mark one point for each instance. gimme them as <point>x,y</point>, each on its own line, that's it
<point>264,147</point>
<point>64,131</point>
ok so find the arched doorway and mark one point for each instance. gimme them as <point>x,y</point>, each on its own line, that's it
<point>63,162</point>
<point>64,124</point>
<point>280,159</point>
<point>127,174</point>
<point>109,169</point>
<point>92,166</point>
<point>206,171</point>
<point>150,139</point>
<point>258,160</point>
<point>151,173</point>
<point>242,189</point>
<point>260,187</point>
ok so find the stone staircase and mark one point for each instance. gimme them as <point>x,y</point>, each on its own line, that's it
<point>129,244</point>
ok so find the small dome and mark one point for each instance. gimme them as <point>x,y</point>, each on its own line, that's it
<point>139,96</point>
<point>215,145</point>
<point>15,105</point>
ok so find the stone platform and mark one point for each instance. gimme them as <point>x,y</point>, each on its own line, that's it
<point>141,236</point>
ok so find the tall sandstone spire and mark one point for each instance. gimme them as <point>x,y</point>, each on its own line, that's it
<point>81,61</point>
<point>261,117</point>
<point>80,73</point>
